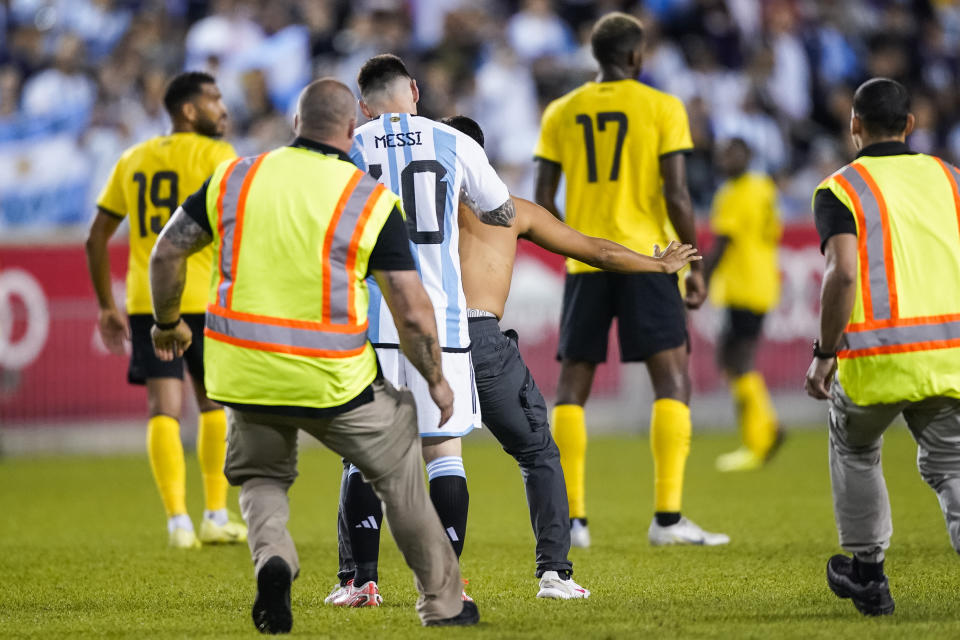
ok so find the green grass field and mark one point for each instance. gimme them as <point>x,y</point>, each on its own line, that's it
<point>82,553</point>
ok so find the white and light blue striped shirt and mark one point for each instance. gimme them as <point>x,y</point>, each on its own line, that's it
<point>427,164</point>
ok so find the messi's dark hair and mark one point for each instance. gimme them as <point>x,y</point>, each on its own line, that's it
<point>377,72</point>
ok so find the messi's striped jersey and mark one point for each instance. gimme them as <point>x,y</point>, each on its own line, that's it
<point>427,164</point>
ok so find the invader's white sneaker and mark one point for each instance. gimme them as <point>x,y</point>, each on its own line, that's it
<point>552,586</point>
<point>579,533</point>
<point>684,532</point>
<point>338,597</point>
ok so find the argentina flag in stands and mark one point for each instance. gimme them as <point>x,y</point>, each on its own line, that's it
<point>427,164</point>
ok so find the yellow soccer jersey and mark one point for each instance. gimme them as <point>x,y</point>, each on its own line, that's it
<point>747,277</point>
<point>147,184</point>
<point>608,137</point>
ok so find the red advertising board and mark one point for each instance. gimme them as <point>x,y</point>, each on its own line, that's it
<point>53,366</point>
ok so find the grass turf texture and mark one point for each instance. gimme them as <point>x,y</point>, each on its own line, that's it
<point>82,552</point>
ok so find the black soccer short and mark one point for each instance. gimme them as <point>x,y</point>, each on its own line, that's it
<point>649,310</point>
<point>741,324</point>
<point>144,363</point>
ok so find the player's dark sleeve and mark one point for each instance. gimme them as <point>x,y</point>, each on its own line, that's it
<point>831,217</point>
<point>195,206</point>
<point>392,251</point>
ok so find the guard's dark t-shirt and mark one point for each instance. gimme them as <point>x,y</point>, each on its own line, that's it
<point>831,216</point>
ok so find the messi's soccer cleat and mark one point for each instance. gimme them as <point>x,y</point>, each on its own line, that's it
<point>683,532</point>
<point>183,539</point>
<point>871,598</point>
<point>367,595</point>
<point>271,608</point>
<point>553,586</point>
<point>338,597</point>
<point>228,533</point>
<point>743,459</point>
<point>579,533</point>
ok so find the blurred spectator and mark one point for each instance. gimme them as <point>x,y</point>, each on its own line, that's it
<point>64,87</point>
<point>85,77</point>
<point>538,31</point>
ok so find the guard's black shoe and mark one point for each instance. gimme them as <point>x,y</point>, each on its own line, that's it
<point>468,615</point>
<point>870,598</point>
<point>271,607</point>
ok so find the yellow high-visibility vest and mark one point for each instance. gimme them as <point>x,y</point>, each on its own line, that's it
<point>286,323</point>
<point>902,341</point>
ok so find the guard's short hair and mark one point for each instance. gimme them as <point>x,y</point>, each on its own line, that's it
<point>614,36</point>
<point>465,125</point>
<point>183,88</point>
<point>377,72</point>
<point>882,105</point>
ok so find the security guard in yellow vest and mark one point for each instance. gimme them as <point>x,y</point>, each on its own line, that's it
<point>295,233</point>
<point>889,224</point>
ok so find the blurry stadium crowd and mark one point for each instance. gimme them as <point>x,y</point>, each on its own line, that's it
<point>80,80</point>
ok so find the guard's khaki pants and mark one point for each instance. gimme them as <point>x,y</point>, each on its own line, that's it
<point>381,439</point>
<point>860,502</point>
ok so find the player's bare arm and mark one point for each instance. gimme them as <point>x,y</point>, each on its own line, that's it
<point>538,226</point>
<point>180,238</point>
<point>111,322</point>
<point>417,330</point>
<point>680,211</point>
<point>546,182</point>
<point>837,297</point>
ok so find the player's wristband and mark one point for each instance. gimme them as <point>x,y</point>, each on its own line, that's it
<point>822,355</point>
<point>166,326</point>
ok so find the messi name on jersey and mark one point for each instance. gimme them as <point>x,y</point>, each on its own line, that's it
<point>391,140</point>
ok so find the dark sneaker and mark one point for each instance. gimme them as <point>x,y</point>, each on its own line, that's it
<point>871,598</point>
<point>271,608</point>
<point>468,615</point>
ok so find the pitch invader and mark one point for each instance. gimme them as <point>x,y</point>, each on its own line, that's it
<point>429,165</point>
<point>621,144</point>
<point>146,186</point>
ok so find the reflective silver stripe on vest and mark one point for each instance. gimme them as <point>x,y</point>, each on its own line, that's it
<point>956,176</point>
<point>228,219</point>
<point>905,335</point>
<point>876,269</point>
<point>340,280</point>
<point>285,336</point>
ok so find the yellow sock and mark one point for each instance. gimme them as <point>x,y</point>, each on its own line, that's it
<point>570,432</point>
<point>758,420</point>
<point>166,460</point>
<point>211,451</point>
<point>670,442</point>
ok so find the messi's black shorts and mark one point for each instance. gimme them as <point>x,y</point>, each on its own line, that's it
<point>145,364</point>
<point>741,324</point>
<point>649,310</point>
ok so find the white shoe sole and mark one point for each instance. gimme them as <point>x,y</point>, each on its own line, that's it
<point>560,594</point>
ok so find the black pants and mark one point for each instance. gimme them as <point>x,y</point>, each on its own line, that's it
<point>515,412</point>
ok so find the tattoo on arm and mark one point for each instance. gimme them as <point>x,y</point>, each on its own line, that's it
<point>425,356</point>
<point>168,263</point>
<point>502,216</point>
<point>185,234</point>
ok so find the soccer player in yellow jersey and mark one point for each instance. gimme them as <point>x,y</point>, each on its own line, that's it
<point>146,187</point>
<point>620,145</point>
<point>745,282</point>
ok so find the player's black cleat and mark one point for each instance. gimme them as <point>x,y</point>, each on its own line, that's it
<point>870,598</point>
<point>468,615</point>
<point>271,607</point>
